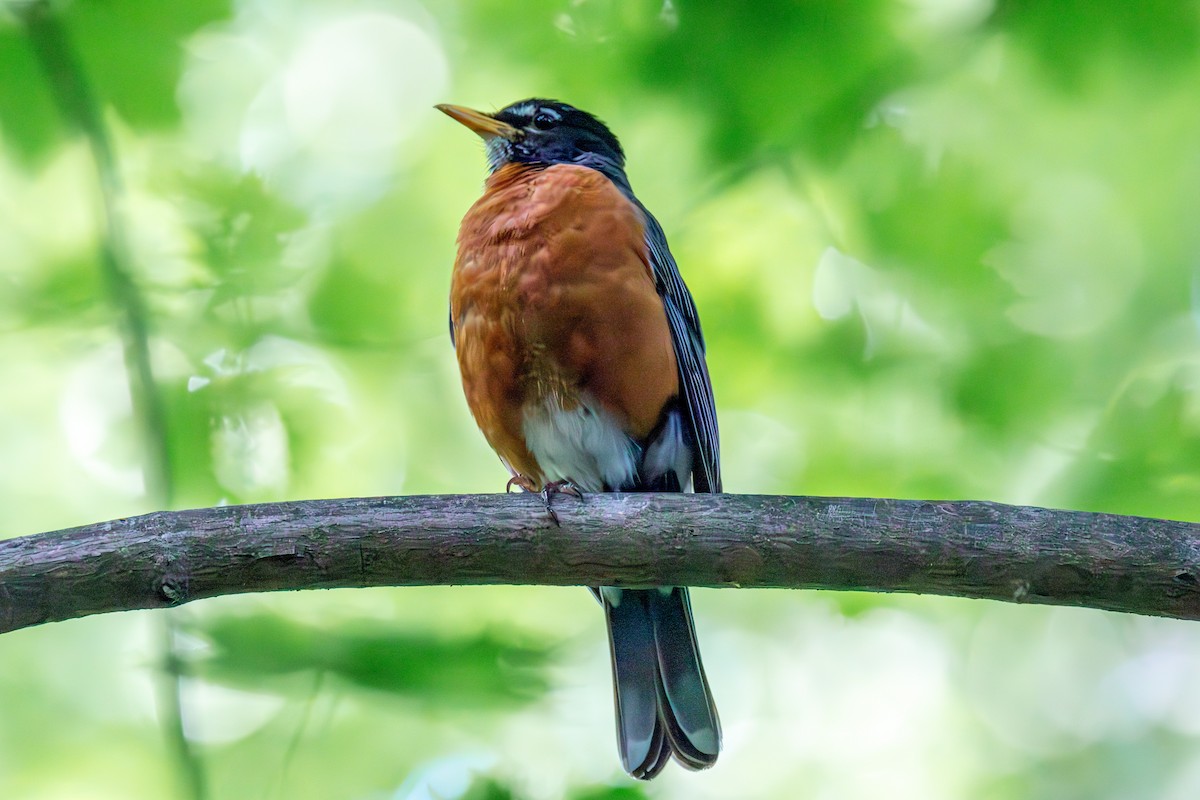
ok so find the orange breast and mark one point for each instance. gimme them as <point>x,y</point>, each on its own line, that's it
<point>552,300</point>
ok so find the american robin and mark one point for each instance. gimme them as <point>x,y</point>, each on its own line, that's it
<point>583,364</point>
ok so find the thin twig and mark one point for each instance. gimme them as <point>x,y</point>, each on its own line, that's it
<point>170,712</point>
<point>293,747</point>
<point>69,85</point>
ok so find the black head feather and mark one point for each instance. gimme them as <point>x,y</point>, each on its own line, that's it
<point>554,133</point>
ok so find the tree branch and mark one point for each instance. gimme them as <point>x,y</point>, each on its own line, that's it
<point>966,549</point>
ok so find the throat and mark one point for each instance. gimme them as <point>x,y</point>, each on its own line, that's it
<point>510,173</point>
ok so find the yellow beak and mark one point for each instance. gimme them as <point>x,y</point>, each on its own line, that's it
<point>485,125</point>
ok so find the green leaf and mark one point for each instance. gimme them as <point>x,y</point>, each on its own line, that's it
<point>242,228</point>
<point>1071,36</point>
<point>132,51</point>
<point>131,54</point>
<point>779,74</point>
<point>353,306</point>
<point>30,125</point>
<point>472,671</point>
<point>486,788</point>
<point>609,793</point>
<point>66,292</point>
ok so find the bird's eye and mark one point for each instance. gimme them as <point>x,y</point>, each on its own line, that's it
<point>544,121</point>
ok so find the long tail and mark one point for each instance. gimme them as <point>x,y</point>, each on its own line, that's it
<point>663,702</point>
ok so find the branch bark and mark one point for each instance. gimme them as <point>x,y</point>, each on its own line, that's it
<point>965,549</point>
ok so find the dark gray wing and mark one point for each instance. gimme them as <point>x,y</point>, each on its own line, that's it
<point>698,402</point>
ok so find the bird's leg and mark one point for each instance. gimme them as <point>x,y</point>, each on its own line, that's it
<point>559,487</point>
<point>549,490</point>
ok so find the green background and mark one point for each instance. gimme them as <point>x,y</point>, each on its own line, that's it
<point>941,249</point>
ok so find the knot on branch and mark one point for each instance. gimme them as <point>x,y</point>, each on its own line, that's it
<point>172,589</point>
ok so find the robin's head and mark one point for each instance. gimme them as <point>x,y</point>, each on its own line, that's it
<point>538,131</point>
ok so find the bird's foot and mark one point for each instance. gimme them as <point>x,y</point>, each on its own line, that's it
<point>562,487</point>
<point>521,482</point>
<point>558,487</point>
<point>547,492</point>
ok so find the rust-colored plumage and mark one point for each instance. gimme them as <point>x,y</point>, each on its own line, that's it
<point>552,297</point>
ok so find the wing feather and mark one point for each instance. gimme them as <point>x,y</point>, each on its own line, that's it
<point>688,341</point>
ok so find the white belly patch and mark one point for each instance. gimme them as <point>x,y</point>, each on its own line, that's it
<point>584,445</point>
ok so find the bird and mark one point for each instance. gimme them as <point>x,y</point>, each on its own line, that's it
<point>583,364</point>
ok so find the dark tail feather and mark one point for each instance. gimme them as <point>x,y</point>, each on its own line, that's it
<point>663,702</point>
<point>641,737</point>
<point>693,727</point>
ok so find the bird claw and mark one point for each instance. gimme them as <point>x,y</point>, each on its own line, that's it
<point>548,491</point>
<point>559,487</point>
<point>562,487</point>
<point>519,481</point>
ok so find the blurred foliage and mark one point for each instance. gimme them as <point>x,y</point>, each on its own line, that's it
<point>941,249</point>
<point>488,789</point>
<point>137,48</point>
<point>252,650</point>
<point>609,793</point>
<point>1070,37</point>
